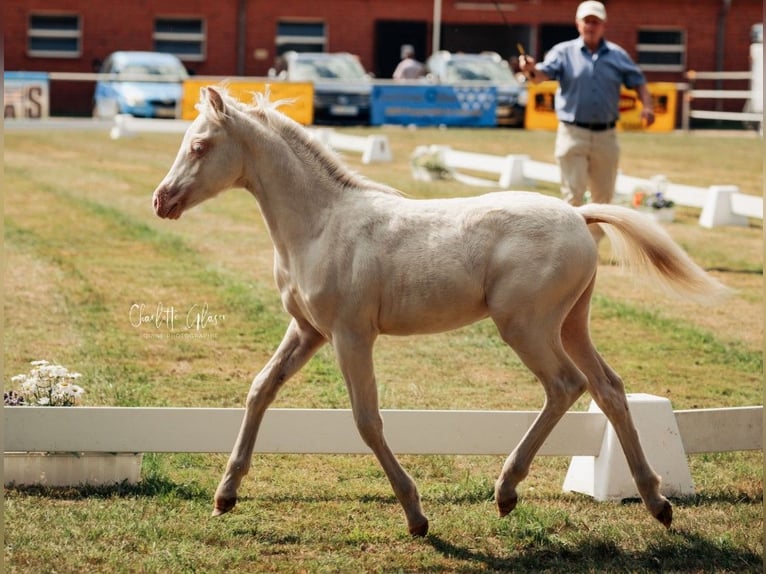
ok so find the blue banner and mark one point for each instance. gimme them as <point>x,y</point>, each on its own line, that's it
<point>434,105</point>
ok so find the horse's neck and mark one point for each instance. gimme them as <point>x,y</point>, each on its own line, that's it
<point>300,186</point>
<point>294,191</point>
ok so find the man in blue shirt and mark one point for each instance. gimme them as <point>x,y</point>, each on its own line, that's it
<point>590,72</point>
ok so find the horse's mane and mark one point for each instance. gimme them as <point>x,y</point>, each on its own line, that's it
<point>266,111</point>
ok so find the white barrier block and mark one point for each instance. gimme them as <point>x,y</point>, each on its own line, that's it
<point>718,210</point>
<point>373,148</point>
<point>376,149</point>
<point>120,128</point>
<point>512,174</point>
<point>126,125</point>
<point>607,476</point>
<point>322,135</point>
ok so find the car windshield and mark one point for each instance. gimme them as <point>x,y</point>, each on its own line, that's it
<point>478,70</point>
<point>318,68</point>
<point>159,70</point>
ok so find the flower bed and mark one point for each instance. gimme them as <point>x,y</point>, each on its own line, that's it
<point>653,201</point>
<point>50,385</point>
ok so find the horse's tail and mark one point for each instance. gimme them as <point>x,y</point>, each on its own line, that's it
<point>641,243</point>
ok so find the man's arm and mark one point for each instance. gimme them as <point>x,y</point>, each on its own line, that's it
<point>647,106</point>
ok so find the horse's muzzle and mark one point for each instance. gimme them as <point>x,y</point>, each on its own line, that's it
<point>166,204</point>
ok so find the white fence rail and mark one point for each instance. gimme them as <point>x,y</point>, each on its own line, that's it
<point>332,431</point>
<point>720,205</point>
<point>374,148</point>
<point>598,467</point>
<point>692,94</point>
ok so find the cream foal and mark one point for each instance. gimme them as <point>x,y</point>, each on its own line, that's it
<point>354,259</point>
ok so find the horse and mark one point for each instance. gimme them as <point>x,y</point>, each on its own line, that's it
<point>354,259</point>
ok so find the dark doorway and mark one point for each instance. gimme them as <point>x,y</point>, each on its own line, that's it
<point>474,39</point>
<point>390,35</point>
<point>552,34</point>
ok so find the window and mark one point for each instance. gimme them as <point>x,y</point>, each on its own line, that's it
<point>662,50</point>
<point>301,37</point>
<point>184,37</point>
<point>54,36</point>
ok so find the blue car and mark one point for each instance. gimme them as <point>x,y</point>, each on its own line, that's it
<point>142,84</point>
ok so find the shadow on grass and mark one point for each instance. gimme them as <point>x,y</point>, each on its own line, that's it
<point>728,497</point>
<point>149,487</point>
<point>157,485</point>
<point>679,552</point>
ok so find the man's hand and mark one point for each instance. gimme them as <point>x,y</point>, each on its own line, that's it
<point>647,105</point>
<point>647,116</point>
<point>527,64</point>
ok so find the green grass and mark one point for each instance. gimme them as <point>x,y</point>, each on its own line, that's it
<point>82,246</point>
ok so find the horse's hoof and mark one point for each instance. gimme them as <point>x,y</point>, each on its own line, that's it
<point>505,507</point>
<point>420,529</point>
<point>665,515</point>
<point>224,505</point>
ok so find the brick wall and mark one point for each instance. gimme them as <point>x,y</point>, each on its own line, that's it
<point>350,24</point>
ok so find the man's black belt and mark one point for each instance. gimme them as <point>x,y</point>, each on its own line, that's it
<point>593,127</point>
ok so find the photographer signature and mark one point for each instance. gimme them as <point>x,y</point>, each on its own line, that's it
<point>197,317</point>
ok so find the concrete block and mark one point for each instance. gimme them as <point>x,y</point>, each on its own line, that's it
<point>717,209</point>
<point>607,476</point>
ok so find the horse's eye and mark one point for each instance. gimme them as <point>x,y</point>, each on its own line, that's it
<point>198,147</point>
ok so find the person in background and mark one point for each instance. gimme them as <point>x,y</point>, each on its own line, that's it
<point>590,71</point>
<point>409,68</point>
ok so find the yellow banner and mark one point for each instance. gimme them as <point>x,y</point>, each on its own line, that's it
<point>541,113</point>
<point>301,109</point>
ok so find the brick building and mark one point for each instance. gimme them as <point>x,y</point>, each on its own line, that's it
<point>243,37</point>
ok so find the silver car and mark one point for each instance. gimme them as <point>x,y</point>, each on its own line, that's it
<point>485,68</point>
<point>342,87</point>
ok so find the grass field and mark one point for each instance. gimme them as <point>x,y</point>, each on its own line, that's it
<point>83,248</point>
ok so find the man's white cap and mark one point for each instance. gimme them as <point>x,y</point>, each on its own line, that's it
<point>591,8</point>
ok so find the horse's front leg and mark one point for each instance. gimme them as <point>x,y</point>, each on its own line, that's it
<point>299,344</point>
<point>355,360</point>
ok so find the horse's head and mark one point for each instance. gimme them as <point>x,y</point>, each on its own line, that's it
<point>209,161</point>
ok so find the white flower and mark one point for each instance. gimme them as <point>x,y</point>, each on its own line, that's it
<point>48,384</point>
<point>55,371</point>
<point>29,385</point>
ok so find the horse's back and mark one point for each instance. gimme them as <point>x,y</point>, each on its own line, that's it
<point>434,265</point>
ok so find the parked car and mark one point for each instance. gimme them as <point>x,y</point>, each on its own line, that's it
<point>142,84</point>
<point>342,87</point>
<point>484,68</point>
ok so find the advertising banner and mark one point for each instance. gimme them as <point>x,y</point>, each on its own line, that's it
<point>424,105</point>
<point>25,95</point>
<point>541,114</point>
<point>301,109</point>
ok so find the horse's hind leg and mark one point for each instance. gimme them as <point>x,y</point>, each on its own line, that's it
<point>298,345</point>
<point>539,347</point>
<point>355,360</point>
<point>608,391</point>
<point>609,394</point>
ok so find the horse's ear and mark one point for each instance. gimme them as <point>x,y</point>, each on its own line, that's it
<point>215,100</point>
